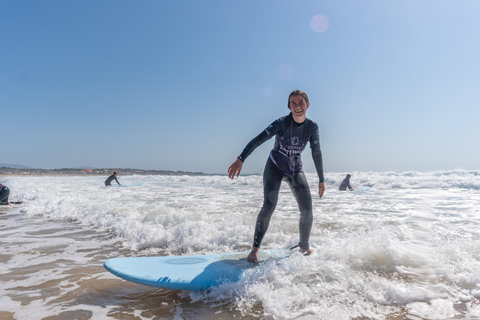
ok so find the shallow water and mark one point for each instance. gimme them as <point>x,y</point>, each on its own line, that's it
<point>408,248</point>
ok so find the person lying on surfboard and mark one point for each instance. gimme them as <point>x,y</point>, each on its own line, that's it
<point>109,180</point>
<point>292,132</point>
<point>4,193</point>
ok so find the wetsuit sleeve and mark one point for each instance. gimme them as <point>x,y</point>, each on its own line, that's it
<point>117,180</point>
<point>265,135</point>
<point>316,151</point>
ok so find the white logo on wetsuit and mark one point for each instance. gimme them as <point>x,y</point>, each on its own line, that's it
<point>270,127</point>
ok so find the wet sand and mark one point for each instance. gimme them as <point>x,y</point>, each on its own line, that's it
<point>43,278</point>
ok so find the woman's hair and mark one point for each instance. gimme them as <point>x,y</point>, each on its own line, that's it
<point>297,93</point>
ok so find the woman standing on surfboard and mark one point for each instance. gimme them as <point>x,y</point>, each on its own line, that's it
<point>292,132</point>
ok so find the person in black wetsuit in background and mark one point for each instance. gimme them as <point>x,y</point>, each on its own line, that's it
<point>292,132</point>
<point>346,184</point>
<point>4,193</point>
<point>109,180</point>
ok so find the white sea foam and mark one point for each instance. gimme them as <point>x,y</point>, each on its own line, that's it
<point>410,244</point>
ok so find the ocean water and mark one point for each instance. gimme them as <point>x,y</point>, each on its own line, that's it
<point>408,248</point>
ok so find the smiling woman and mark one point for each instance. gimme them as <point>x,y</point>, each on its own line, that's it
<point>291,133</point>
<point>298,104</point>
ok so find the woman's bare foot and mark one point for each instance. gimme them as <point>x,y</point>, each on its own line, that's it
<point>306,252</point>
<point>253,256</point>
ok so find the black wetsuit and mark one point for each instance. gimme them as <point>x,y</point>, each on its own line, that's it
<point>345,184</point>
<point>285,163</point>
<point>4,193</point>
<point>109,180</point>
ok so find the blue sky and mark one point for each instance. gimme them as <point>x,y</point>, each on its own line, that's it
<point>184,85</point>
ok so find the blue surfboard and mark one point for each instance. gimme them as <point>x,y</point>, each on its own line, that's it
<point>193,273</point>
<point>127,185</point>
<point>362,188</point>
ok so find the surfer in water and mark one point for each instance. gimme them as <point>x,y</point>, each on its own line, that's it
<point>346,184</point>
<point>109,180</point>
<point>4,193</point>
<point>292,132</point>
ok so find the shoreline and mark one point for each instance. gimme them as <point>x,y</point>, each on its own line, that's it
<point>66,172</point>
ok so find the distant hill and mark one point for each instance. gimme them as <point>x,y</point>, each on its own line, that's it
<point>16,166</point>
<point>25,171</point>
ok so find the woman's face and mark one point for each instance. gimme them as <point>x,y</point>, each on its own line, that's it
<point>299,107</point>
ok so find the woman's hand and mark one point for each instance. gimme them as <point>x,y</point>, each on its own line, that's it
<point>321,189</point>
<point>235,168</point>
